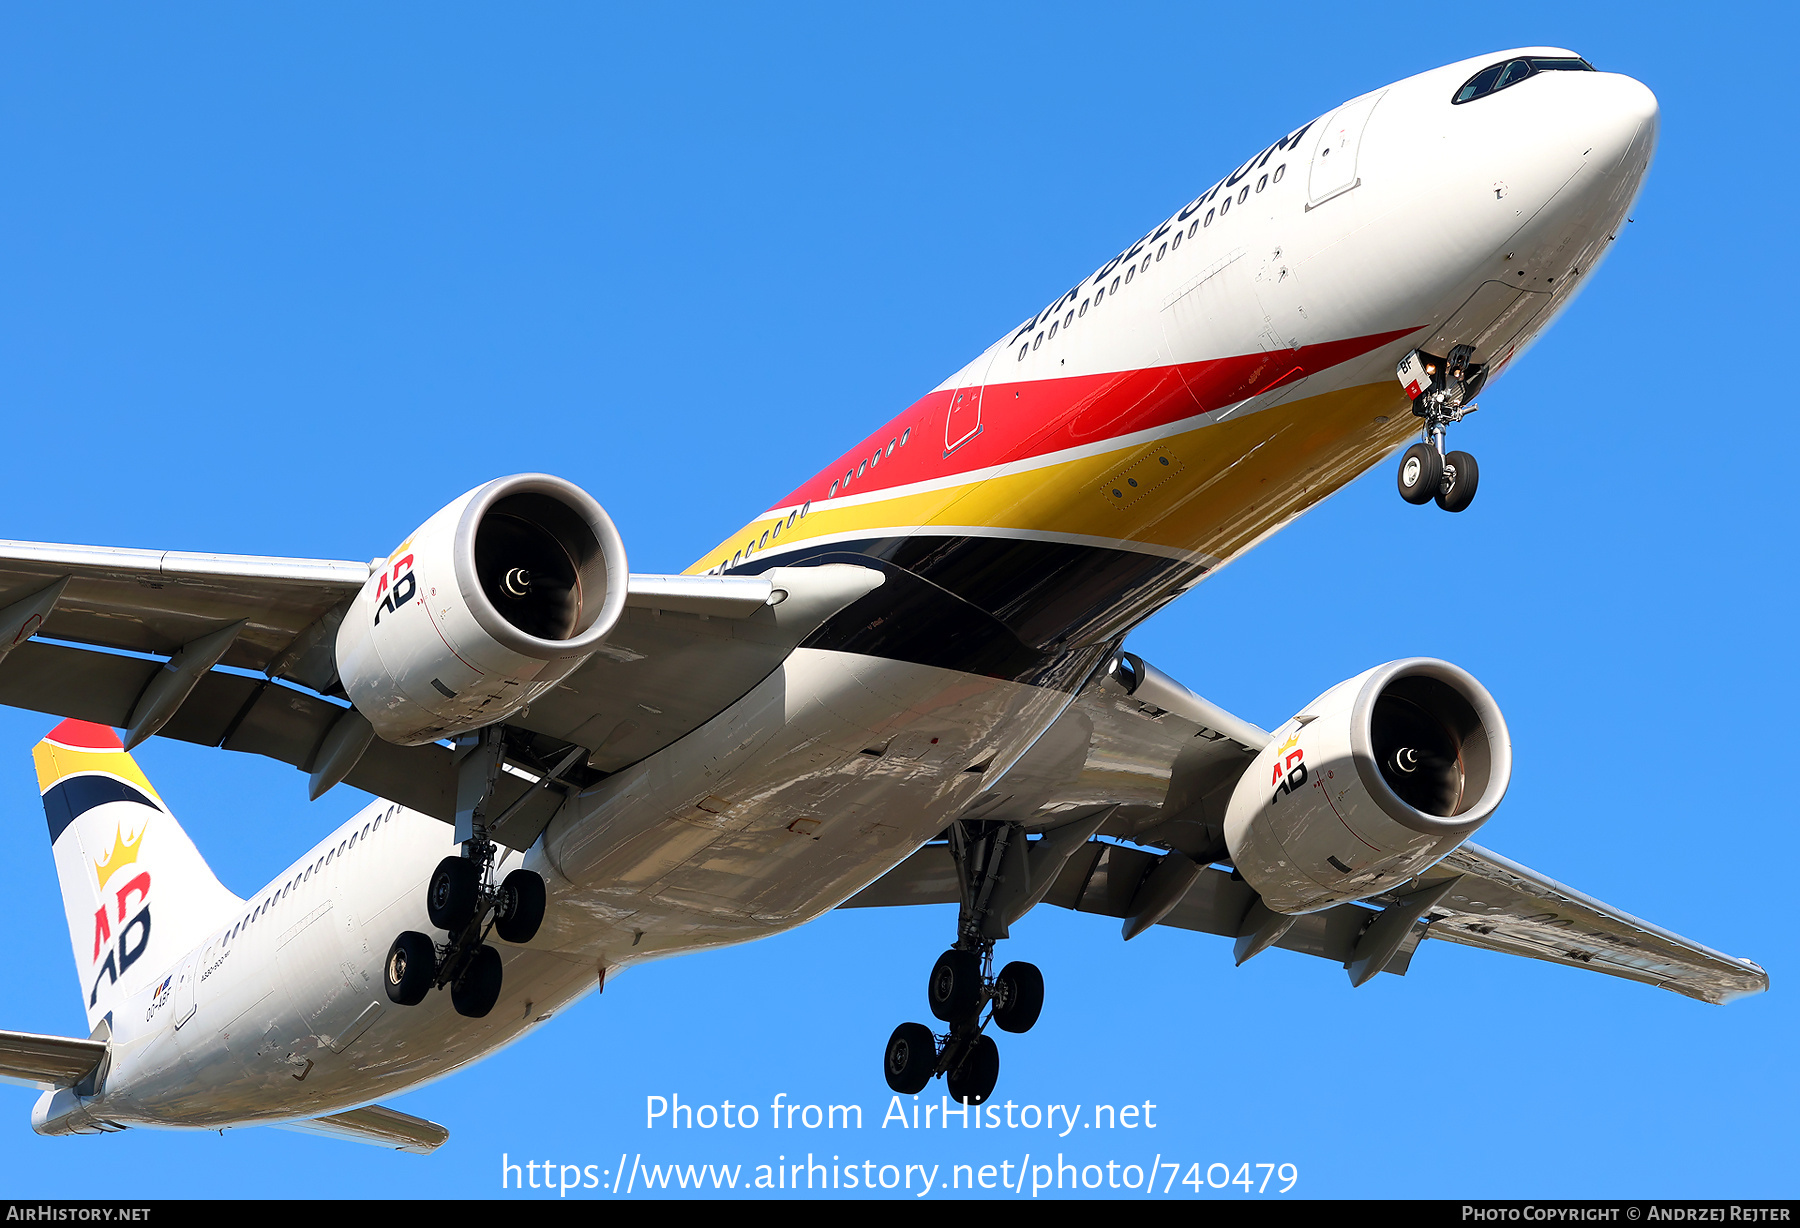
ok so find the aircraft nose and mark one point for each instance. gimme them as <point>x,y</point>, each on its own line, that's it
<point>1621,116</point>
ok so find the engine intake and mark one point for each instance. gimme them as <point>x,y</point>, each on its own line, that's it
<point>1372,783</point>
<point>495,599</point>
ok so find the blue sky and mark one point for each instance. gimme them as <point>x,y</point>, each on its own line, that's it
<point>285,279</point>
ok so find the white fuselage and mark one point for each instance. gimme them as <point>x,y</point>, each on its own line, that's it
<point>1467,222</point>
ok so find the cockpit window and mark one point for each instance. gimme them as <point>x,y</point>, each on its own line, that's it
<point>1496,77</point>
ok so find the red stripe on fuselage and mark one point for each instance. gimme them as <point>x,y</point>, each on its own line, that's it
<point>1039,417</point>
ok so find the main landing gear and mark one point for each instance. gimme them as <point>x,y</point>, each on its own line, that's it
<point>1442,390</point>
<point>962,984</point>
<point>462,899</point>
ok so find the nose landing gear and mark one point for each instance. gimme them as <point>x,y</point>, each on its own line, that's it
<point>1442,390</point>
<point>961,985</point>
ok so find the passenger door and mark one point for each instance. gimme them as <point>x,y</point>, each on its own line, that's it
<point>1334,157</point>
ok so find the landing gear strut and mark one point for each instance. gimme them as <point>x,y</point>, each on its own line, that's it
<point>462,899</point>
<point>992,869</point>
<point>1442,392</point>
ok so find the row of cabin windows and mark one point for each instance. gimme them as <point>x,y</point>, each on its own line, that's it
<point>1194,227</point>
<point>331,855</point>
<point>870,463</point>
<point>755,544</point>
<point>774,534</point>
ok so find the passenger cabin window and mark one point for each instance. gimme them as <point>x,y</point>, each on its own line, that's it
<point>1496,77</point>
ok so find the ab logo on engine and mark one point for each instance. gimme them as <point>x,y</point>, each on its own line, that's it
<point>1290,772</point>
<point>403,590</point>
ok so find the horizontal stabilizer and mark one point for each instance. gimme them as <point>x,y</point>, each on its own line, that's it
<point>378,1127</point>
<point>30,1060</point>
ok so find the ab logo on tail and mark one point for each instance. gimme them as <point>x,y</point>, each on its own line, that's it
<point>134,934</point>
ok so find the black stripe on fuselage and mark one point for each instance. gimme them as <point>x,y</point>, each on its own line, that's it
<point>69,799</point>
<point>1027,611</point>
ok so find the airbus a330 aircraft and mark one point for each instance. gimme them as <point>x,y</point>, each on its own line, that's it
<point>901,684</point>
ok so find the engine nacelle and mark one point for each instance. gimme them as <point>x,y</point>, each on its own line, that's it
<point>492,602</point>
<point>1373,782</point>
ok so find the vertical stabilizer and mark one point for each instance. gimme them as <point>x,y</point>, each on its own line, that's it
<point>135,890</point>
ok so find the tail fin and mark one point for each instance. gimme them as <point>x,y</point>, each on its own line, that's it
<point>119,855</point>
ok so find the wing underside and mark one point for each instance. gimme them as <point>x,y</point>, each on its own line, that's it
<point>1154,768</point>
<point>1159,760</point>
<point>93,632</point>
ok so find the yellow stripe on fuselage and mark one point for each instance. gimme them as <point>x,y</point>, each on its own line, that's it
<point>1224,486</point>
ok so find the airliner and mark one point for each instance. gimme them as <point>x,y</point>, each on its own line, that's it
<point>903,683</point>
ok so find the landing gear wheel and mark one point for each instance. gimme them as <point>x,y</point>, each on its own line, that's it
<point>911,1058</point>
<point>1421,473</point>
<point>410,967</point>
<point>1457,489</point>
<point>973,1081</point>
<point>954,990</point>
<point>1021,998</point>
<point>452,893</point>
<point>478,988</point>
<point>520,909</point>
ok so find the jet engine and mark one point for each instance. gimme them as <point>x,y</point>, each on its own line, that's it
<point>1373,782</point>
<point>493,601</point>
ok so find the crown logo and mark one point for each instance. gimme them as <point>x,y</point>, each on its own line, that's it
<point>1291,742</point>
<point>122,853</point>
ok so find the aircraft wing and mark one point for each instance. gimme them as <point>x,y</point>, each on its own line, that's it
<point>1500,905</point>
<point>175,642</point>
<point>1136,773</point>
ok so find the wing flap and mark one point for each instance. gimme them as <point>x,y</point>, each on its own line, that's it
<point>1103,878</point>
<point>228,710</point>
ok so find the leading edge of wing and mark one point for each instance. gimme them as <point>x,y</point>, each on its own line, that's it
<point>176,564</point>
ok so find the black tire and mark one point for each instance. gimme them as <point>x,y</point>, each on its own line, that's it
<point>1421,473</point>
<point>410,967</point>
<point>478,988</point>
<point>521,907</point>
<point>451,894</point>
<point>954,990</point>
<point>973,1081</point>
<point>1456,493</point>
<point>1021,999</point>
<point>911,1058</point>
